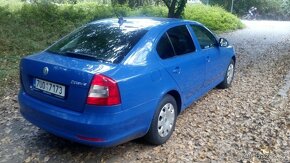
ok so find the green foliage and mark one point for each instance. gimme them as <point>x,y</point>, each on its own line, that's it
<point>267,9</point>
<point>51,1</point>
<point>286,8</point>
<point>12,5</point>
<point>32,27</point>
<point>159,11</point>
<point>215,18</point>
<point>135,3</point>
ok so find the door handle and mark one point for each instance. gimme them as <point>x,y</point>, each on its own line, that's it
<point>176,70</point>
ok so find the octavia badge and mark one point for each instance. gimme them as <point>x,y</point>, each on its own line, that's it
<point>45,70</point>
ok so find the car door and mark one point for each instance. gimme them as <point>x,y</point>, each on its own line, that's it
<point>180,59</point>
<point>210,49</point>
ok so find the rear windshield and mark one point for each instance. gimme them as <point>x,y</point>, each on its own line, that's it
<point>105,42</point>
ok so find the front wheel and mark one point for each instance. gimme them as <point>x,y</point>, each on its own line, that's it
<point>229,76</point>
<point>247,17</point>
<point>163,122</point>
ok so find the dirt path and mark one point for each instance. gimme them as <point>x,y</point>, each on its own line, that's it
<point>248,122</point>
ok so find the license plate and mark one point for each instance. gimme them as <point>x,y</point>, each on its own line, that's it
<point>49,87</point>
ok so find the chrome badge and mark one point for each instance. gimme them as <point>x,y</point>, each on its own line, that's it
<point>45,70</point>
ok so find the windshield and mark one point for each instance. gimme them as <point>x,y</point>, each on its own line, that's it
<point>101,41</point>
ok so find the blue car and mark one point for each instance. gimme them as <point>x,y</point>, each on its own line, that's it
<point>115,80</point>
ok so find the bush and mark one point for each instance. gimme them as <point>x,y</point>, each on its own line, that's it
<point>158,11</point>
<point>214,17</point>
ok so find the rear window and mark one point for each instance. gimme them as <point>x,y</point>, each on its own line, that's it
<point>102,41</point>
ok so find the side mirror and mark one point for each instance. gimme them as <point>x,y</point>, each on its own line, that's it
<point>223,42</point>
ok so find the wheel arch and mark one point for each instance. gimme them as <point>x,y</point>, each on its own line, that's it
<point>175,94</point>
<point>234,58</point>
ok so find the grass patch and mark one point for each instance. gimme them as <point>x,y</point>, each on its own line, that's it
<point>27,28</point>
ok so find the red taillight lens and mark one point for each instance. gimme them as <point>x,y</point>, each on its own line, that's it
<point>104,91</point>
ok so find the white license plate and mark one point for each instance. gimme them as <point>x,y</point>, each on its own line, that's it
<point>49,87</point>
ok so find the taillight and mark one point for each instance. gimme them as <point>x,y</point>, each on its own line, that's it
<point>104,91</point>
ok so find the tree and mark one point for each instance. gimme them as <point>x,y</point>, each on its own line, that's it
<point>175,7</point>
<point>286,9</point>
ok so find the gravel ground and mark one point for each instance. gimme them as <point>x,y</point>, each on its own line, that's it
<point>250,122</point>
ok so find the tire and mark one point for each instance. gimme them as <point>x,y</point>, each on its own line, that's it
<point>163,122</point>
<point>229,76</point>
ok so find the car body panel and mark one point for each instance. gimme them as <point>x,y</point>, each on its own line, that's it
<point>112,126</point>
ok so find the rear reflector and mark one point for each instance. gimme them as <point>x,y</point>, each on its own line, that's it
<point>90,139</point>
<point>104,91</point>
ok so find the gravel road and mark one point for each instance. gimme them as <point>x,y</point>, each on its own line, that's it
<point>248,122</point>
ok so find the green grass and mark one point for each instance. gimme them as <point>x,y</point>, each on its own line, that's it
<point>27,28</point>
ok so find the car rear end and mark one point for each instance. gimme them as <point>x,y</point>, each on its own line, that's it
<point>70,89</point>
<point>66,99</point>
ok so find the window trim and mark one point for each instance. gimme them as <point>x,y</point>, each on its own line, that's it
<point>170,43</point>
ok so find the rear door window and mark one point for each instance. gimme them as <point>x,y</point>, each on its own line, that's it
<point>181,40</point>
<point>164,47</point>
<point>176,41</point>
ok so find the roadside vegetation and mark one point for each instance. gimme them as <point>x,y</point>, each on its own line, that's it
<point>266,9</point>
<point>26,28</point>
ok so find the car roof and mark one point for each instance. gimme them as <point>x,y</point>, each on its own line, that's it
<point>142,22</point>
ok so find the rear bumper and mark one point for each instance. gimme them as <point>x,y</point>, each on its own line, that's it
<point>93,126</point>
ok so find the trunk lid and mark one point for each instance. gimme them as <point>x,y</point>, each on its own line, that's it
<point>60,80</point>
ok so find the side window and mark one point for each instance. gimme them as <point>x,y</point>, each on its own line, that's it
<point>164,47</point>
<point>181,40</point>
<point>204,37</point>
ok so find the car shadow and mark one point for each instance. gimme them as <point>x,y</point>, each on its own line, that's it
<point>59,149</point>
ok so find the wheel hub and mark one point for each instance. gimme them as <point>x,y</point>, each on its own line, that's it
<point>166,120</point>
<point>230,73</point>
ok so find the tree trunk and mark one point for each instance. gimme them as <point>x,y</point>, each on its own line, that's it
<point>180,8</point>
<point>171,13</point>
<point>171,9</point>
<point>175,7</point>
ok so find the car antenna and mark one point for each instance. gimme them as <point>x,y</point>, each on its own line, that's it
<point>121,21</point>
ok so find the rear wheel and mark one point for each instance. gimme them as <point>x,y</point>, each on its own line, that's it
<point>229,76</point>
<point>163,122</point>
